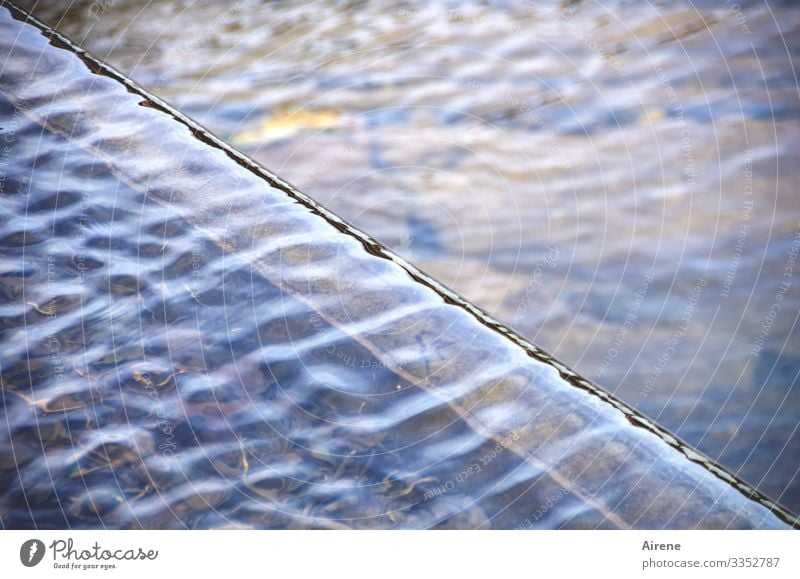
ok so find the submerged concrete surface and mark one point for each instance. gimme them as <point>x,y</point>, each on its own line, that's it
<point>357,392</point>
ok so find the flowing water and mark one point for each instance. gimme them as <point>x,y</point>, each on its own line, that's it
<point>611,182</point>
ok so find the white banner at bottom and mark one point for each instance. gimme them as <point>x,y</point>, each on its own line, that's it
<point>400,554</point>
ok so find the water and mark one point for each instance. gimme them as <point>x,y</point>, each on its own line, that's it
<point>229,360</point>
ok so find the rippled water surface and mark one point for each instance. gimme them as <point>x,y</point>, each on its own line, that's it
<point>616,183</point>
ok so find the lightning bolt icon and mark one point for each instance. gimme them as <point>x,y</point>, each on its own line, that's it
<point>32,552</point>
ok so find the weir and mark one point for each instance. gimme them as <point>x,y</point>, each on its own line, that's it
<point>189,341</point>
